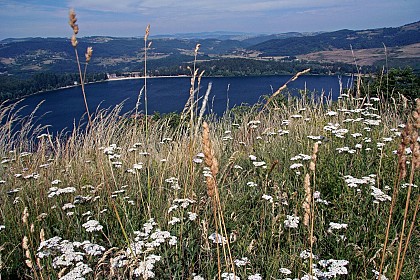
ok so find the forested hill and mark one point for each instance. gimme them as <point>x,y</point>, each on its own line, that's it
<point>342,39</point>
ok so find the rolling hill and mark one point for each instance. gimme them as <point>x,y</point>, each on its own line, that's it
<point>341,39</point>
<point>24,57</point>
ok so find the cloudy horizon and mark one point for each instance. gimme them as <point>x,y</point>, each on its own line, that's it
<point>128,18</point>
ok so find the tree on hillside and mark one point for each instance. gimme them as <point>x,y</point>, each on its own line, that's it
<point>397,82</point>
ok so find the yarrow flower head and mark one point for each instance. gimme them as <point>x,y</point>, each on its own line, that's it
<point>92,225</point>
<point>291,221</point>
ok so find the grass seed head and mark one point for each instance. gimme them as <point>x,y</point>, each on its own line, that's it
<point>88,54</point>
<point>74,41</point>
<point>146,35</point>
<point>72,21</point>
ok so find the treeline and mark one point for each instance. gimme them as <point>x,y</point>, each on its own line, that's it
<point>252,67</point>
<point>392,83</point>
<point>13,88</point>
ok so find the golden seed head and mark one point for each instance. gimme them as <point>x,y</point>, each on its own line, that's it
<point>42,235</point>
<point>197,47</point>
<point>74,41</point>
<point>88,54</point>
<point>210,161</point>
<point>315,150</point>
<point>307,203</point>
<point>312,166</point>
<point>25,241</point>
<point>72,18</point>
<point>76,29</point>
<point>25,215</point>
<point>146,35</point>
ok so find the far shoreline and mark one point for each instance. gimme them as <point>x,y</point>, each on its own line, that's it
<point>116,79</point>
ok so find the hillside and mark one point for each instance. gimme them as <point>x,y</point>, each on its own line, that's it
<point>220,53</point>
<point>341,39</point>
<point>26,56</point>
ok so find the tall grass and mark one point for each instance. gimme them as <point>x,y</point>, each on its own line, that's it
<point>302,189</point>
<point>258,193</point>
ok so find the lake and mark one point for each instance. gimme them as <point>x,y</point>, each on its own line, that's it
<point>61,108</point>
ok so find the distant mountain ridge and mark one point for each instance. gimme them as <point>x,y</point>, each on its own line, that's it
<point>341,39</point>
<point>23,57</point>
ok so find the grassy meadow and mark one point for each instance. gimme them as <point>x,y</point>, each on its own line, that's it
<point>298,188</point>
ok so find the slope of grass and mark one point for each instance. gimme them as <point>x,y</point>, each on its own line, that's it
<point>109,203</point>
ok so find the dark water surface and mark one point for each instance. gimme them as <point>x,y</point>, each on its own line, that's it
<point>61,108</point>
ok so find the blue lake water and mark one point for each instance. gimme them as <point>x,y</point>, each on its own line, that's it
<point>61,108</point>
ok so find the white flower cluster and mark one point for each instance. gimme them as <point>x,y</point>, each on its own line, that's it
<point>181,204</point>
<point>241,262</point>
<point>267,197</point>
<point>230,276</point>
<point>54,191</point>
<point>217,238</point>
<point>355,182</point>
<point>145,268</point>
<point>138,254</point>
<point>379,195</point>
<point>291,221</point>
<point>331,268</point>
<point>69,254</point>
<point>174,183</point>
<point>301,157</point>
<point>80,270</point>
<point>112,154</point>
<point>92,225</point>
<point>336,226</point>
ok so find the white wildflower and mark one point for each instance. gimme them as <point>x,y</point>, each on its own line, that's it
<point>192,216</point>
<point>296,165</point>
<point>259,163</point>
<point>285,271</point>
<point>252,157</point>
<point>255,277</point>
<point>291,221</point>
<point>174,221</point>
<point>230,276</point>
<point>336,226</point>
<point>77,272</point>
<point>217,238</point>
<point>251,184</point>
<point>241,262</point>
<point>379,195</point>
<point>92,225</point>
<point>268,198</point>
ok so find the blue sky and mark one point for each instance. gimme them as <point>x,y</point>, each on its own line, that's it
<point>48,18</point>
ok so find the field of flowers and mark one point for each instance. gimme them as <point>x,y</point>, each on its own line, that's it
<point>301,189</point>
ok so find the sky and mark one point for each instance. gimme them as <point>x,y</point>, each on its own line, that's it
<point>127,18</point>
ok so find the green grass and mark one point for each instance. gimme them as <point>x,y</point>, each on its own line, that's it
<point>118,197</point>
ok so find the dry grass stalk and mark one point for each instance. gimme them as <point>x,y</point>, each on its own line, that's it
<point>74,43</point>
<point>283,87</point>
<point>203,108</point>
<point>411,139</point>
<point>311,202</point>
<point>210,161</point>
<point>306,204</point>
<point>212,192</point>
